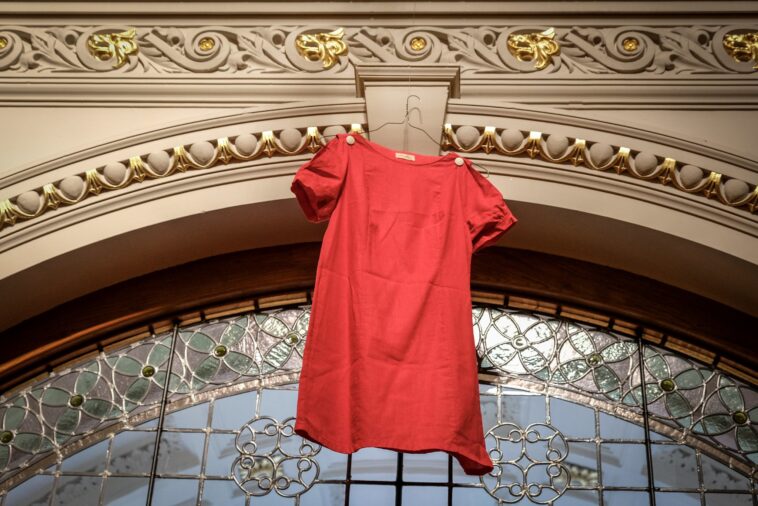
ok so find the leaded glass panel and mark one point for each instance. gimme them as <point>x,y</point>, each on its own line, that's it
<point>562,410</point>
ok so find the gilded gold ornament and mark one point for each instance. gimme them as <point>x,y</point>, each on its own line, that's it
<point>105,46</point>
<point>418,43</point>
<point>630,44</point>
<point>3,42</point>
<point>538,47</point>
<point>324,47</point>
<point>743,47</point>
<point>206,43</point>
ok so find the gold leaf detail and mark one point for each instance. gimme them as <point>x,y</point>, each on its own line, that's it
<point>323,47</point>
<point>538,47</point>
<point>743,47</point>
<point>105,46</point>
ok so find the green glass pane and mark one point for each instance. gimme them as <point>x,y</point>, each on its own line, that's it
<point>533,361</point>
<point>573,370</point>
<point>55,397</point>
<point>277,356</point>
<point>747,439</point>
<point>301,324</point>
<point>175,383</point>
<point>68,421</point>
<point>234,332</point>
<point>606,380</point>
<point>4,454</point>
<point>98,408</point>
<point>714,424</point>
<point>158,355</point>
<point>679,408</point>
<point>238,362</point>
<point>657,366</point>
<point>732,398</point>
<point>85,382</point>
<point>61,437</point>
<point>28,442</point>
<point>753,413</point>
<point>137,390</point>
<point>13,418</point>
<point>200,342</point>
<point>618,351</point>
<point>582,343</point>
<point>272,325</point>
<point>501,354</point>
<point>207,368</point>
<point>128,366</point>
<point>691,378</point>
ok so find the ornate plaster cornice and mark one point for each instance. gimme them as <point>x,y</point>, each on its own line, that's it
<point>606,64</point>
<point>652,52</point>
<point>732,190</point>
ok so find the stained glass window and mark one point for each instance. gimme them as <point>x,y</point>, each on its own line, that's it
<point>204,414</point>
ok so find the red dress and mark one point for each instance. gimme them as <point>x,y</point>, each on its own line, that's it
<point>390,359</point>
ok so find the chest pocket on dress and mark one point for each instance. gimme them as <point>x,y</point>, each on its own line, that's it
<point>404,245</point>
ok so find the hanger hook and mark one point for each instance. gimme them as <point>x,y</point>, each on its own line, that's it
<point>407,103</point>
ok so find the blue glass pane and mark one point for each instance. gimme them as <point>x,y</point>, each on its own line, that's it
<point>374,464</point>
<point>428,496</point>
<point>615,428</point>
<point>472,497</point>
<point>181,453</point>
<point>582,464</point>
<point>232,412</point>
<point>132,452</point>
<point>222,493</point>
<point>170,492</point>
<point>221,455</point>
<point>33,492</point>
<point>522,409</point>
<point>578,498</point>
<point>279,404</point>
<point>677,499</point>
<point>728,500</point>
<point>488,405</point>
<point>125,491</point>
<point>332,465</point>
<point>372,495</point>
<point>618,498</point>
<point>624,465</point>
<point>425,466</point>
<point>89,460</point>
<point>572,419</point>
<point>717,476</point>
<point>77,490</point>
<point>194,417</point>
<point>324,494</point>
<point>674,466</point>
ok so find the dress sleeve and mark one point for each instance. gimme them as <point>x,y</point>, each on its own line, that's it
<point>318,182</point>
<point>487,214</point>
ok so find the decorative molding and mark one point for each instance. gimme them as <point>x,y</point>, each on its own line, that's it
<point>743,47</point>
<point>732,192</point>
<point>648,51</point>
<point>604,157</point>
<point>323,47</point>
<point>109,46</point>
<point>538,47</point>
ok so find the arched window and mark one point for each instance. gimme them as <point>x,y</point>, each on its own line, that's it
<point>566,419</point>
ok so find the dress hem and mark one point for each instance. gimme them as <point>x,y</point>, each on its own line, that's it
<point>470,465</point>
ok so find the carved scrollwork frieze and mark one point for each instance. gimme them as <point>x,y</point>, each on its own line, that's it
<point>559,51</point>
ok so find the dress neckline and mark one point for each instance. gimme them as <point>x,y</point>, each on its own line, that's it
<point>390,153</point>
